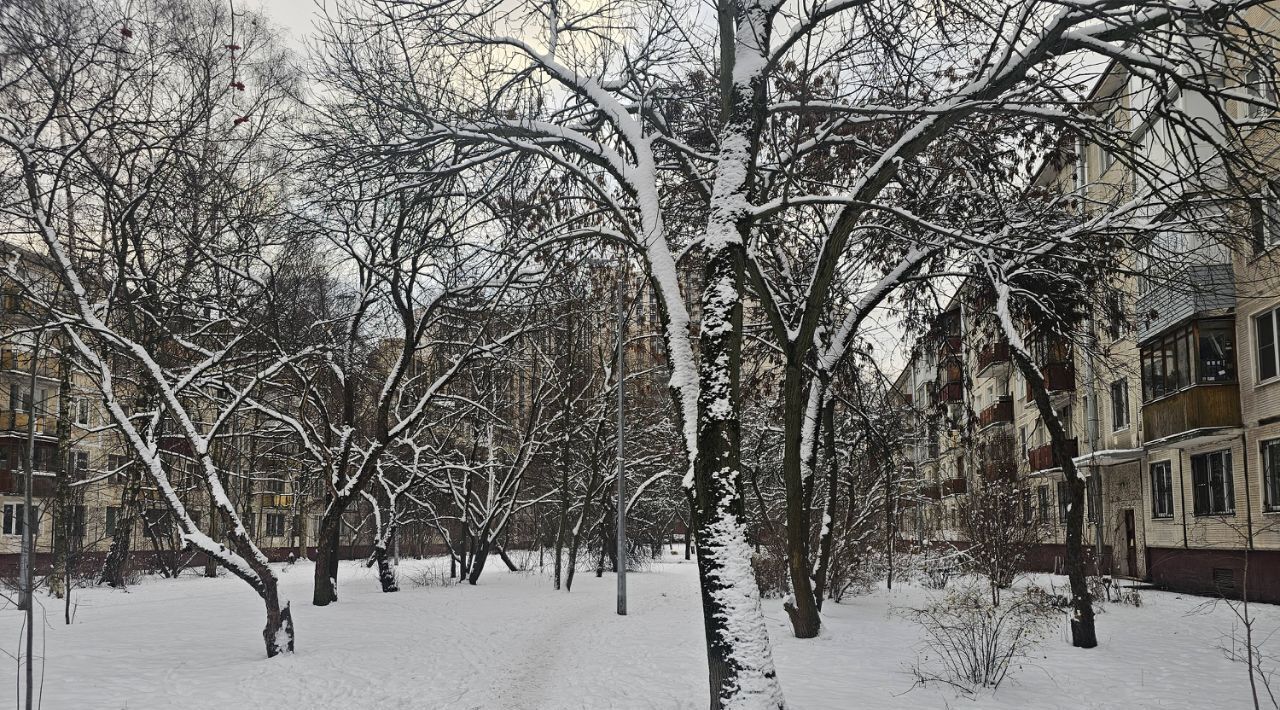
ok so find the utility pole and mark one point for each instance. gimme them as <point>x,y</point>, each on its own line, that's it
<point>622,480</point>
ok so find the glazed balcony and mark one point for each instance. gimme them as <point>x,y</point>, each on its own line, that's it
<point>1042,458</point>
<point>20,361</point>
<point>1200,407</point>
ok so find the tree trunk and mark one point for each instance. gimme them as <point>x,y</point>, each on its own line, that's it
<point>802,607</point>
<point>63,509</point>
<point>116,565</point>
<point>502,554</point>
<point>739,662</point>
<point>825,540</point>
<point>386,571</point>
<point>1083,633</point>
<point>325,589</point>
<point>478,557</point>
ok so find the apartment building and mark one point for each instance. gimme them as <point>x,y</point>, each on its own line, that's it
<point>1174,409</point>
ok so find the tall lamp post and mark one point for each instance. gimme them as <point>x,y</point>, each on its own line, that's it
<point>621,532</point>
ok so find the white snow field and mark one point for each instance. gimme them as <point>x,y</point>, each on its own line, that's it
<point>513,642</point>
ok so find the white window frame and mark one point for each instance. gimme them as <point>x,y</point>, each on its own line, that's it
<point>13,519</point>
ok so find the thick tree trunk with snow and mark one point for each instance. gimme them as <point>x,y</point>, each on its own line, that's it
<point>739,660</point>
<point>116,565</point>
<point>1083,634</point>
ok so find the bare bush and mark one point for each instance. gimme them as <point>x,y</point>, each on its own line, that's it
<point>973,643</point>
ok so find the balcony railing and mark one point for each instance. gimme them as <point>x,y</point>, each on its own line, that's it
<point>18,421</point>
<point>932,491</point>
<point>1000,412</point>
<point>276,500</point>
<point>991,354</point>
<point>11,359</point>
<point>1197,407</point>
<point>947,392</point>
<point>949,346</point>
<point>12,484</point>
<point>1058,377</point>
<point>955,486</point>
<point>1042,457</point>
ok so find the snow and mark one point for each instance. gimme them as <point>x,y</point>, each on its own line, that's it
<point>513,642</point>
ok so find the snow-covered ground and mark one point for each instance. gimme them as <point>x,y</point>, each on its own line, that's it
<point>513,642</point>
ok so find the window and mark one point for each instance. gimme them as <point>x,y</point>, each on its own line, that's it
<point>113,516</point>
<point>1028,508</point>
<point>1271,474</point>
<point>1022,433</point>
<point>1211,481</point>
<point>1264,340</point>
<point>1115,311</point>
<point>1264,217</point>
<point>1260,90</point>
<point>19,400</point>
<point>75,526</point>
<point>1217,361</point>
<point>1064,501</point>
<point>4,458</point>
<point>82,463</point>
<point>1042,498</point>
<point>275,525</point>
<point>1119,405</point>
<point>275,485</point>
<point>1199,353</point>
<point>13,519</point>
<point>1161,490</point>
<point>82,411</point>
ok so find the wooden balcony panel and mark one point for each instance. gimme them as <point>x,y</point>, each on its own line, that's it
<point>1198,407</point>
<point>1041,457</point>
<point>1001,411</point>
<point>948,392</point>
<point>12,483</point>
<point>932,492</point>
<point>955,486</point>
<point>992,354</point>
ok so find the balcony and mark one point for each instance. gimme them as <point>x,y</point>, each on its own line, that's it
<point>1201,407</point>
<point>995,459</point>
<point>1197,289</point>
<point>11,484</point>
<point>276,500</point>
<point>1041,458</point>
<point>932,491</point>
<point>946,392</point>
<point>1000,412</point>
<point>18,422</point>
<point>949,346</point>
<point>1058,377</point>
<point>11,359</point>
<point>992,354</point>
<point>955,486</point>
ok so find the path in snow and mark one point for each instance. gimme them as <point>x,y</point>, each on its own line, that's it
<point>514,643</point>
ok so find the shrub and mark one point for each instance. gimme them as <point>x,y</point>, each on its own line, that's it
<point>973,643</point>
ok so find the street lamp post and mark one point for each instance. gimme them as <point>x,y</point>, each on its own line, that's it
<point>621,532</point>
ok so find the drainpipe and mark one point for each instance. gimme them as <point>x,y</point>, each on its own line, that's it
<point>1182,496</point>
<point>1248,500</point>
<point>1091,413</point>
